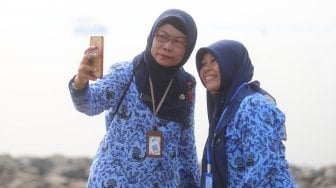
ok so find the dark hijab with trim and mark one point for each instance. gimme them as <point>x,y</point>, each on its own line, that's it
<point>235,68</point>
<point>173,108</point>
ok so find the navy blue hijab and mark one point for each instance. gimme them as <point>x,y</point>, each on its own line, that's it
<point>172,108</point>
<point>235,68</point>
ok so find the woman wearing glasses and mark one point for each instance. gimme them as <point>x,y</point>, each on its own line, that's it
<point>149,106</point>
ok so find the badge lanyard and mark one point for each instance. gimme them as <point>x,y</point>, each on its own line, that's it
<point>155,138</point>
<point>209,175</point>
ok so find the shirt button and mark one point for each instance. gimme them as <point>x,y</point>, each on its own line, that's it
<point>182,97</point>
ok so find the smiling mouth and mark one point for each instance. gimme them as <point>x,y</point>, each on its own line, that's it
<point>209,78</point>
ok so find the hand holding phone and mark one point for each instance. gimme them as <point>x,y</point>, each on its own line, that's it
<point>97,61</point>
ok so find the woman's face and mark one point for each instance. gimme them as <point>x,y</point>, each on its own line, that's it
<point>209,73</point>
<point>169,45</point>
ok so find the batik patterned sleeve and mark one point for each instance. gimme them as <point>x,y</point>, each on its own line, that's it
<point>104,93</point>
<point>257,153</point>
<point>189,169</point>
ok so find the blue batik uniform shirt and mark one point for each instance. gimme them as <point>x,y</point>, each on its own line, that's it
<point>120,160</point>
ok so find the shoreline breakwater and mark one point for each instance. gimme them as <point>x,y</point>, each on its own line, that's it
<point>59,171</point>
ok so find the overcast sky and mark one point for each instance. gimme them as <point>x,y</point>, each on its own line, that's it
<point>291,44</point>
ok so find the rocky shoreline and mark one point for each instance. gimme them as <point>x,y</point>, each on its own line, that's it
<point>63,172</point>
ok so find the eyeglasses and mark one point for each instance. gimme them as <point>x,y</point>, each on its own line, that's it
<point>163,37</point>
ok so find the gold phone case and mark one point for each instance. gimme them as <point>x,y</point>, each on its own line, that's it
<point>98,61</point>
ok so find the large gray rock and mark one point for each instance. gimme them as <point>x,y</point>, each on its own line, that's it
<point>52,172</point>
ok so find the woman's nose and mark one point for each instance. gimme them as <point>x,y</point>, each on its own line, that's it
<point>168,45</point>
<point>206,67</point>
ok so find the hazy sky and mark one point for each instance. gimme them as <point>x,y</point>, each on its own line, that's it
<point>291,44</point>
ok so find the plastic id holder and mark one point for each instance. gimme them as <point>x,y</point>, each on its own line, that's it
<point>208,180</point>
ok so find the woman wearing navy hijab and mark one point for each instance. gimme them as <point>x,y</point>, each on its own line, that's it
<point>246,129</point>
<point>149,110</point>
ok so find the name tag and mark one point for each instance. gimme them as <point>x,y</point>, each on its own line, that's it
<point>154,143</point>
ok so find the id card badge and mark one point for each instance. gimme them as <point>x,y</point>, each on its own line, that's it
<point>208,180</point>
<point>154,143</point>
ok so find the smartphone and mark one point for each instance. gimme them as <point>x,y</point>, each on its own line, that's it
<point>99,59</point>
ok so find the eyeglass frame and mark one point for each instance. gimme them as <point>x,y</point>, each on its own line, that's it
<point>164,37</point>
